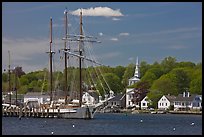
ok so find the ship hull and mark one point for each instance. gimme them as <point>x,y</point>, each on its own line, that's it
<point>77,113</point>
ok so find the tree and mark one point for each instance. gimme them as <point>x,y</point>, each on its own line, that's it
<point>119,71</point>
<point>149,77</point>
<point>180,79</point>
<point>154,96</point>
<point>23,89</point>
<point>24,80</point>
<point>18,71</point>
<point>168,64</point>
<point>196,83</point>
<point>129,72</point>
<point>165,85</point>
<point>112,80</point>
<point>143,68</point>
<point>186,64</point>
<point>4,77</point>
<point>140,90</point>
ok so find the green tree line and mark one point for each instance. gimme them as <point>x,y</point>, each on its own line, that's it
<point>167,77</point>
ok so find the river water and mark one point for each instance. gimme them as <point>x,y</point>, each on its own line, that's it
<point>106,124</point>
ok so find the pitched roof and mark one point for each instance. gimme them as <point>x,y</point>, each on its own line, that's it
<point>171,98</point>
<point>35,94</point>
<point>118,97</point>
<point>134,78</point>
<point>181,98</point>
<point>93,94</point>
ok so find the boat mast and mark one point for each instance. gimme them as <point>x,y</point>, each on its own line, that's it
<point>16,78</point>
<point>80,60</point>
<point>65,58</point>
<point>9,78</point>
<point>51,52</point>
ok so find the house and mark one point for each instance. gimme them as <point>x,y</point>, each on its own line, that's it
<point>34,99</point>
<point>197,102</point>
<point>139,99</point>
<point>7,98</point>
<point>145,103</point>
<point>132,81</point>
<point>117,101</point>
<point>90,98</point>
<point>186,101</point>
<point>165,102</point>
<point>129,97</point>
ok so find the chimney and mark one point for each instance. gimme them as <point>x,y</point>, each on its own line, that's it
<point>188,94</point>
<point>184,94</point>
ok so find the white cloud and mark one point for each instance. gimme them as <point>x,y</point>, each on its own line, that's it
<point>124,34</point>
<point>114,39</point>
<point>98,11</point>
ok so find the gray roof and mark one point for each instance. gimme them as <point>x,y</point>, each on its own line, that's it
<point>35,94</point>
<point>181,98</point>
<point>171,98</point>
<point>93,94</point>
<point>118,97</point>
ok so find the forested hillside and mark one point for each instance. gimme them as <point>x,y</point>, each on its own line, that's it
<point>165,77</point>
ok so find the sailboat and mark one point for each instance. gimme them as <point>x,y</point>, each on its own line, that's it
<point>75,108</point>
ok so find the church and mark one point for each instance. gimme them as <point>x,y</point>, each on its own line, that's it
<point>132,81</point>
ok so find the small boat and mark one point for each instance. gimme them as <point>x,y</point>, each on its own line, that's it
<point>153,112</point>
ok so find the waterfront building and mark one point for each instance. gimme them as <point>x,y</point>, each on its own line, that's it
<point>34,99</point>
<point>166,101</point>
<point>90,97</point>
<point>117,101</point>
<point>186,101</point>
<point>145,103</point>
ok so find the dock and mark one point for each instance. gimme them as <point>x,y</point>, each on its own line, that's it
<point>16,111</point>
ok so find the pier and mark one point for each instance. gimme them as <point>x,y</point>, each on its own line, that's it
<point>16,111</point>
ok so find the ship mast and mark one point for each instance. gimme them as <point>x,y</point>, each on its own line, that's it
<point>9,78</point>
<point>51,52</point>
<point>65,58</point>
<point>81,39</point>
<point>80,61</point>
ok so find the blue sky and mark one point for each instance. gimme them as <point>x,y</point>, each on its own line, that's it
<point>149,30</point>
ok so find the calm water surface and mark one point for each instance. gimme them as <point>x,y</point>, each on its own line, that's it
<point>106,124</point>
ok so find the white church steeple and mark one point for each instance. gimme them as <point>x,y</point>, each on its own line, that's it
<point>136,76</point>
<point>137,70</point>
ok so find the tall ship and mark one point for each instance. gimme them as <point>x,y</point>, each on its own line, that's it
<point>73,106</point>
<point>74,87</point>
